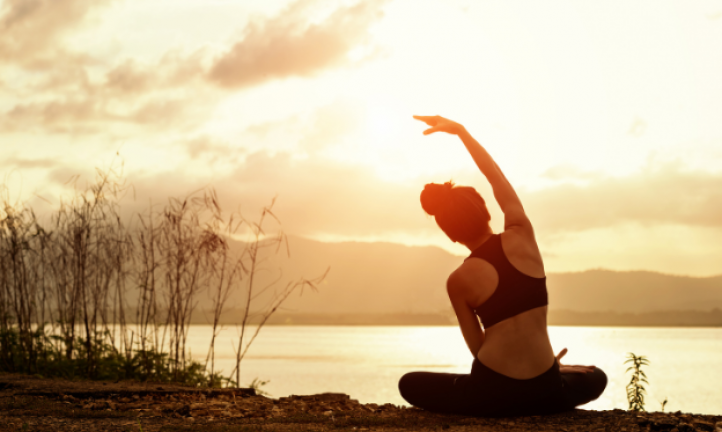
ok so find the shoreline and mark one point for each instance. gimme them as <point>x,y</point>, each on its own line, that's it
<point>52,404</point>
<point>687,319</point>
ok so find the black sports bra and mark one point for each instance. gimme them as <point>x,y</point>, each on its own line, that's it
<point>515,293</point>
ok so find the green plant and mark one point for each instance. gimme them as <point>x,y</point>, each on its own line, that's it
<point>256,385</point>
<point>635,388</point>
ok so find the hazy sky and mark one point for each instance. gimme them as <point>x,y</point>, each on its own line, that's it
<point>606,116</point>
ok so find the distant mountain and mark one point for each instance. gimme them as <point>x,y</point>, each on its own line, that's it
<point>632,292</point>
<point>364,277</point>
<point>386,278</point>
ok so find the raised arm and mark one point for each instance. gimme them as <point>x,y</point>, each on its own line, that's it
<point>514,215</point>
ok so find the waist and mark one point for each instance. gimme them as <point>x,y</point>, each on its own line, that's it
<point>518,347</point>
<point>550,374</point>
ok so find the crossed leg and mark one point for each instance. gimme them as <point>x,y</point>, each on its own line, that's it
<point>461,394</point>
<point>580,388</point>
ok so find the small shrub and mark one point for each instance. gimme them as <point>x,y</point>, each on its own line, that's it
<point>635,388</point>
<point>256,385</point>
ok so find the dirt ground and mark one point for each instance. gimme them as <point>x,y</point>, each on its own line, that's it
<point>33,404</point>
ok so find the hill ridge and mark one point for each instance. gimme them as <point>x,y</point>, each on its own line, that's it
<point>391,278</point>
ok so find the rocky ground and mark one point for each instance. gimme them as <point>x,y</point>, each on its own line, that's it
<point>31,404</point>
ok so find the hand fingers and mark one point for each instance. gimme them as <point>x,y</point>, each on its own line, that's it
<point>567,369</point>
<point>561,354</point>
<point>429,120</point>
<point>582,366</point>
<point>430,130</point>
<point>576,369</point>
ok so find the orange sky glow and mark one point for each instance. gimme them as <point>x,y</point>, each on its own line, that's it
<point>604,115</point>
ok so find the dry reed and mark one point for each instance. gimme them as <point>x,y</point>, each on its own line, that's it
<point>66,291</point>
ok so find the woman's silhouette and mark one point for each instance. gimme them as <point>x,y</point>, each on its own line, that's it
<point>503,284</point>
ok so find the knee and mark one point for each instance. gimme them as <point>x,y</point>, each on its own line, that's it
<point>582,388</point>
<point>407,386</point>
<point>417,387</point>
<point>598,382</point>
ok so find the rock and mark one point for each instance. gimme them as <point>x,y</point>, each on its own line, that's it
<point>69,398</point>
<point>643,421</point>
<point>184,410</point>
<point>664,424</point>
<point>703,425</point>
<point>221,406</point>
<point>685,427</point>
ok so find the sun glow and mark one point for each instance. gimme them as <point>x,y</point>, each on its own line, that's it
<point>317,100</point>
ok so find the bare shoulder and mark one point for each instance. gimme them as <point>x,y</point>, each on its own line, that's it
<point>475,280</point>
<point>518,236</point>
<point>521,249</point>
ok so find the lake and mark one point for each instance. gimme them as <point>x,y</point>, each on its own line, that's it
<point>366,362</point>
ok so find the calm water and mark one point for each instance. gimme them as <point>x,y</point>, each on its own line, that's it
<point>367,361</point>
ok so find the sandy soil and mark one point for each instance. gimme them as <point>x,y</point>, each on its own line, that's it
<point>32,404</point>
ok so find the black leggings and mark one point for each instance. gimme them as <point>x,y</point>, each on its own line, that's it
<point>488,393</point>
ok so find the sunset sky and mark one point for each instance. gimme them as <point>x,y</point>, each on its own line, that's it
<point>605,116</point>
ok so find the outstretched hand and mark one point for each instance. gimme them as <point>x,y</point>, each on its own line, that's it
<point>571,368</point>
<point>440,124</point>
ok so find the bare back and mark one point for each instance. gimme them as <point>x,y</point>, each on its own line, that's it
<point>519,346</point>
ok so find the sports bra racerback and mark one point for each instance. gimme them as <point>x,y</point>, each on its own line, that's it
<point>515,293</point>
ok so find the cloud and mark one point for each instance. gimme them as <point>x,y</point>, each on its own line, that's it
<point>657,195</point>
<point>28,163</point>
<point>64,98</point>
<point>212,150</point>
<point>67,92</point>
<point>159,111</point>
<point>55,91</point>
<point>128,78</point>
<point>287,45</point>
<point>89,115</point>
<point>58,115</point>
<point>569,172</point>
<point>321,128</point>
<point>314,196</point>
<point>331,124</point>
<point>31,28</point>
<point>319,197</point>
<point>173,70</point>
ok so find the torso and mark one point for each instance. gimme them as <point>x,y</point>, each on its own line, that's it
<point>519,346</point>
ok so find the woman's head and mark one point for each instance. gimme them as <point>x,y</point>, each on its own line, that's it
<point>459,210</point>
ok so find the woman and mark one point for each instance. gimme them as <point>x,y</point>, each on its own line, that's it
<point>502,282</point>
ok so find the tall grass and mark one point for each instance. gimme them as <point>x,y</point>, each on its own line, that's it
<point>84,295</point>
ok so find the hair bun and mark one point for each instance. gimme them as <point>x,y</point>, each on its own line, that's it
<point>435,197</point>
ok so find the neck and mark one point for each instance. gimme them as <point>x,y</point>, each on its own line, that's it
<point>472,245</point>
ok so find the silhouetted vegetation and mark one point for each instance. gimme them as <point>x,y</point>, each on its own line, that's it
<point>84,295</point>
<point>635,388</point>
